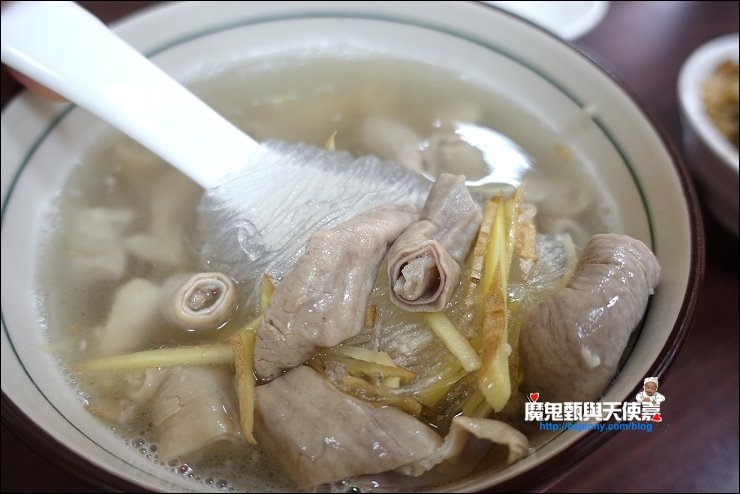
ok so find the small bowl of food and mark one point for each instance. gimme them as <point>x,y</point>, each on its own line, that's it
<point>518,250</point>
<point>708,96</point>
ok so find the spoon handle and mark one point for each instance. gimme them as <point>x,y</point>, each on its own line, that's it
<point>70,51</point>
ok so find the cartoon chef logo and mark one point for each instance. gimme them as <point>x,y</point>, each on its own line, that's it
<point>649,393</point>
<point>650,400</point>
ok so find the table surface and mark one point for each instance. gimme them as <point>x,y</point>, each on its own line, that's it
<point>642,44</point>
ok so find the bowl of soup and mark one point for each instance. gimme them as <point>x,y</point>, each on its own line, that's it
<point>520,248</point>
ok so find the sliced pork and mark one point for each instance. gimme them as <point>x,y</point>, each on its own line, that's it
<point>571,343</point>
<point>323,300</point>
<point>424,263</point>
<point>321,435</point>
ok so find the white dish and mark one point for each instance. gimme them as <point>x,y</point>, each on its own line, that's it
<point>601,126</point>
<point>569,20</point>
<point>712,158</point>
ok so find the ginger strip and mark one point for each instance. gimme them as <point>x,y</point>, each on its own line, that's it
<point>242,344</point>
<point>455,342</point>
<point>215,354</point>
<point>504,239</point>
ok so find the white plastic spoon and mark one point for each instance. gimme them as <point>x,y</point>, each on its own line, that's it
<point>67,49</point>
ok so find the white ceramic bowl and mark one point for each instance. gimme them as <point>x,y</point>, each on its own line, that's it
<point>712,158</point>
<point>597,121</point>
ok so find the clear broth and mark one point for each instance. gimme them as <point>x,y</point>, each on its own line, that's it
<point>291,100</point>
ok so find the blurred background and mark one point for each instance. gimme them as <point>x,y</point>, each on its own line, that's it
<point>695,449</point>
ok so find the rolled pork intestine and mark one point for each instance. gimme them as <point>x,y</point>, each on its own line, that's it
<point>571,343</point>
<point>424,263</point>
<point>340,436</point>
<point>193,408</point>
<point>323,300</point>
<point>94,246</point>
<point>198,300</point>
<point>134,318</point>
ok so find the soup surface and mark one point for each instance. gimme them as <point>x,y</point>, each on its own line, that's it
<point>127,217</point>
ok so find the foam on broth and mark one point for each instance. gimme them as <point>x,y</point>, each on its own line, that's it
<point>294,101</point>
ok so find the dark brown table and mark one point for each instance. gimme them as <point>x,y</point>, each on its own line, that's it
<point>642,44</point>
